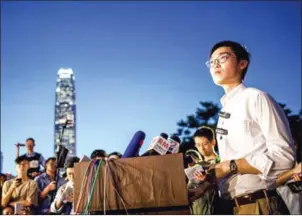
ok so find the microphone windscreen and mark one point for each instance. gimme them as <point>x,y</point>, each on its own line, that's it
<point>164,135</point>
<point>134,145</point>
<point>175,138</point>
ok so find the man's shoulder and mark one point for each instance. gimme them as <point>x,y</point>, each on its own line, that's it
<point>253,90</point>
<point>254,93</point>
<point>41,177</point>
<point>9,182</point>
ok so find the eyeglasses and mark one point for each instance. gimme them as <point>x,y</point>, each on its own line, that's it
<point>220,59</point>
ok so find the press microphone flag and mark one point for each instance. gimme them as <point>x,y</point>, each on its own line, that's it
<point>158,146</point>
<point>174,144</point>
<point>134,145</point>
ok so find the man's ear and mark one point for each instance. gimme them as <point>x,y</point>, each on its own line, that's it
<point>213,142</point>
<point>243,64</point>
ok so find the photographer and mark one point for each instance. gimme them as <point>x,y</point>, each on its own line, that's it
<point>47,183</point>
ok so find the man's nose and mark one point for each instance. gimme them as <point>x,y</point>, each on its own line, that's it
<point>216,64</point>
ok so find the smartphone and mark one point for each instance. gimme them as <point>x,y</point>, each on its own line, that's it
<point>19,181</point>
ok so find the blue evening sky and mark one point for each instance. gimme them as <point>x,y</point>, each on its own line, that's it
<point>138,65</point>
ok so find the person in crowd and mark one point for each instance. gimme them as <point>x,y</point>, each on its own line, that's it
<point>63,202</point>
<point>99,154</point>
<point>114,155</point>
<point>205,142</point>
<point>48,183</point>
<point>20,190</point>
<point>3,178</point>
<point>253,135</point>
<point>35,159</point>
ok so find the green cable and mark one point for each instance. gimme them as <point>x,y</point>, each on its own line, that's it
<point>93,186</point>
<point>84,179</point>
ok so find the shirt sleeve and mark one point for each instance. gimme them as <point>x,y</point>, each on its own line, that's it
<point>33,193</point>
<point>278,139</point>
<point>42,160</point>
<point>59,194</point>
<point>5,188</point>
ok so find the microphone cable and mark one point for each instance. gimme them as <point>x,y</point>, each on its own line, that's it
<point>96,175</point>
<point>84,183</point>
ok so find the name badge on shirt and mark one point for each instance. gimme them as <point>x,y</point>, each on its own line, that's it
<point>222,131</point>
<point>34,164</point>
<point>224,114</point>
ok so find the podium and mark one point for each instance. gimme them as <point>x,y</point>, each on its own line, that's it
<point>140,185</point>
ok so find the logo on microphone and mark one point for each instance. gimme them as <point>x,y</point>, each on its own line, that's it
<point>160,145</point>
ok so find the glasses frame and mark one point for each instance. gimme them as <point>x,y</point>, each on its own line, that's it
<point>221,59</point>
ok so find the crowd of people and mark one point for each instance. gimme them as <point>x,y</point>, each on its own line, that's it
<point>41,191</point>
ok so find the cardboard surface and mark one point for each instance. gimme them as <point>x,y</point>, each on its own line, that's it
<point>142,183</point>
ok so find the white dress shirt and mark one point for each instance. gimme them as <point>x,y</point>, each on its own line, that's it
<point>253,126</point>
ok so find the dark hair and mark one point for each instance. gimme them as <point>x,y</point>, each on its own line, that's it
<point>239,50</point>
<point>71,161</point>
<point>3,175</point>
<point>20,159</point>
<point>30,139</point>
<point>49,159</point>
<point>115,153</point>
<point>98,153</point>
<point>205,131</point>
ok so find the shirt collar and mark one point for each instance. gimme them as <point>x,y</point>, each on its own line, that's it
<point>225,98</point>
<point>31,155</point>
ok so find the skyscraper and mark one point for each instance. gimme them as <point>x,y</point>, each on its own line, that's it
<point>65,109</point>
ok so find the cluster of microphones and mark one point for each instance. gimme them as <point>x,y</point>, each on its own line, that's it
<point>160,145</point>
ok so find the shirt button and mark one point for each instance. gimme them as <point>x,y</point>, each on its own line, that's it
<point>220,137</point>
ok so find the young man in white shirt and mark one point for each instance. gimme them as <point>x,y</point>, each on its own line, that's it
<point>253,134</point>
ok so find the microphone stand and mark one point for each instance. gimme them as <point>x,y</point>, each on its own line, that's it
<point>58,165</point>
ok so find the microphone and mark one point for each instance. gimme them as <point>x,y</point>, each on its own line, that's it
<point>174,144</point>
<point>134,145</point>
<point>158,146</point>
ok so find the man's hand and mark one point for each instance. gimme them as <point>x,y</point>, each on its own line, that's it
<point>297,173</point>
<point>16,183</point>
<point>69,198</point>
<point>8,210</point>
<point>199,176</point>
<point>28,202</point>
<point>51,186</point>
<point>297,169</point>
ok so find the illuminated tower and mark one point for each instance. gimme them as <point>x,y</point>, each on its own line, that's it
<point>65,108</point>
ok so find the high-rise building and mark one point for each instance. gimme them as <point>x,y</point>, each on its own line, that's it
<point>65,109</point>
